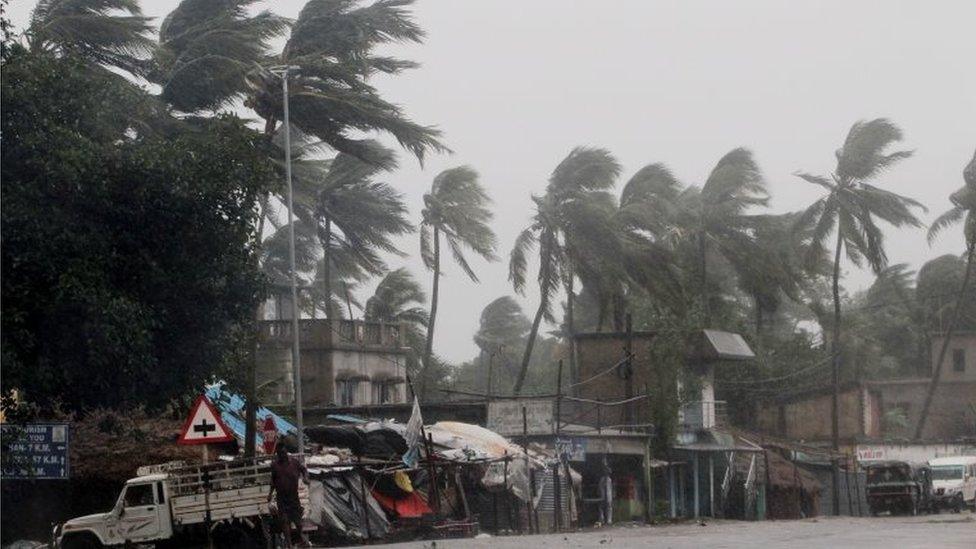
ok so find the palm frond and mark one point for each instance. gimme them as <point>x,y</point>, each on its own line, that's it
<point>518,259</point>
<point>864,155</point>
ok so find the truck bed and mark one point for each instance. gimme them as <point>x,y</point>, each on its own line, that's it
<point>231,489</point>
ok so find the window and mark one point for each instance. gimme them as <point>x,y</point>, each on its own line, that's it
<point>386,392</point>
<point>159,493</point>
<point>959,360</point>
<point>138,495</point>
<point>346,390</point>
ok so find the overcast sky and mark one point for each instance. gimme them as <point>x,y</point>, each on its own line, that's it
<point>515,84</point>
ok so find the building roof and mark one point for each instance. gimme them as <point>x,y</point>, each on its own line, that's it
<point>720,345</point>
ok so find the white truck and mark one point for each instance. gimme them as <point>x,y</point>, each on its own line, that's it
<point>175,505</point>
<point>954,482</point>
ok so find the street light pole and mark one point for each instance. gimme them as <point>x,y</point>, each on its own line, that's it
<point>296,358</point>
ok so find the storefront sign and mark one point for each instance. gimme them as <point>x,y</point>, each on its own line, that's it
<point>505,416</point>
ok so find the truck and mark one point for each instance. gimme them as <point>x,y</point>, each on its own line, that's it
<point>899,486</point>
<point>954,482</point>
<point>180,505</point>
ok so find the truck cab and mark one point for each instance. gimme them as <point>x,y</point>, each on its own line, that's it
<point>954,482</point>
<point>140,515</point>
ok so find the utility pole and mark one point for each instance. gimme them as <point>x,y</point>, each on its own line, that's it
<point>296,358</point>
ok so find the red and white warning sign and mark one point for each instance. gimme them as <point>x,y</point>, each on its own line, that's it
<point>204,425</point>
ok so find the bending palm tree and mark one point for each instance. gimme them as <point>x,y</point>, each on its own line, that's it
<point>852,205</point>
<point>571,220</point>
<point>110,33</point>
<point>457,207</point>
<point>963,209</point>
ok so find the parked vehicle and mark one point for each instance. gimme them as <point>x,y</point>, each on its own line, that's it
<point>175,505</point>
<point>954,482</point>
<point>899,487</point>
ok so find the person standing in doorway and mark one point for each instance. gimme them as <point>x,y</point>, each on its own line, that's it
<point>286,472</point>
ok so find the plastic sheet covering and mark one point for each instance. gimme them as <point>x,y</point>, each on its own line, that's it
<point>337,504</point>
<point>471,442</point>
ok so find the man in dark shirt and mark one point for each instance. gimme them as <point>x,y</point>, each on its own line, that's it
<point>286,471</point>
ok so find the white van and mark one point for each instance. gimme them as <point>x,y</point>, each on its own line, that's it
<point>954,482</point>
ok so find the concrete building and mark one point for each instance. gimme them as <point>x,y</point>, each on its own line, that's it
<point>960,360</point>
<point>344,363</point>
<point>885,409</point>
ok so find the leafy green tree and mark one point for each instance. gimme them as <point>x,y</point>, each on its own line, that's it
<point>852,206</point>
<point>963,210</point>
<point>457,208</point>
<point>128,267</point>
<point>108,33</point>
<point>570,220</point>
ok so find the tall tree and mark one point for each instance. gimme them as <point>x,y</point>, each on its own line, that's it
<point>108,33</point>
<point>720,218</point>
<point>399,298</point>
<point>457,207</point>
<point>852,206</point>
<point>570,219</point>
<point>963,210</point>
<point>356,216</point>
<point>128,266</point>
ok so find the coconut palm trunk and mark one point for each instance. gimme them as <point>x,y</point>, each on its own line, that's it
<point>835,373</point>
<point>571,328</point>
<point>937,371</point>
<point>529,344</point>
<point>435,287</point>
<point>326,237</point>
<point>251,391</point>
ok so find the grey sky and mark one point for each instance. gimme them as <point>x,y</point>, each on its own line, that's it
<point>515,84</point>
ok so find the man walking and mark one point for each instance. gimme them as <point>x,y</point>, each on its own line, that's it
<point>286,471</point>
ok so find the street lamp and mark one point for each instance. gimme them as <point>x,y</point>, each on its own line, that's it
<point>282,71</point>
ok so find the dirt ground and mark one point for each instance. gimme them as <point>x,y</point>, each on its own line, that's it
<point>934,531</point>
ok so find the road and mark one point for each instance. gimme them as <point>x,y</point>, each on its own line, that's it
<point>938,531</point>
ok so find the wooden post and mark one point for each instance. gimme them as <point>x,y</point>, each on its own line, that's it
<point>629,383</point>
<point>694,484</point>
<point>432,472</point>
<point>557,493</point>
<point>711,485</point>
<point>528,469</point>
<point>671,492</point>
<point>362,497</point>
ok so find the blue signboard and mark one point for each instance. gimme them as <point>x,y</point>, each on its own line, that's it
<point>35,451</point>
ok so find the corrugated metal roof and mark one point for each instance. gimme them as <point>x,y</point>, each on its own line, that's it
<point>727,346</point>
<point>231,407</point>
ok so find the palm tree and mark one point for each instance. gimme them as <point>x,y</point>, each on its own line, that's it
<point>457,207</point>
<point>399,298</point>
<point>571,220</point>
<point>964,210</point>
<point>356,217</point>
<point>109,33</point>
<point>852,205</point>
<point>719,218</point>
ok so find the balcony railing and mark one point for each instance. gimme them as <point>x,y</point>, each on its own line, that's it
<point>322,332</point>
<point>703,414</point>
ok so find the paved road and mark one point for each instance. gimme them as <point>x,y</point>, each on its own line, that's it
<point>937,531</point>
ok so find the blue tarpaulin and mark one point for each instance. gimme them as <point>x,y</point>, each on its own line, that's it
<point>231,407</point>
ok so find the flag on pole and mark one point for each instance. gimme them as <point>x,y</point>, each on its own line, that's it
<point>413,435</point>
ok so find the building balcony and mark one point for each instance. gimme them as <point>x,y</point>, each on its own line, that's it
<point>333,334</point>
<point>703,414</point>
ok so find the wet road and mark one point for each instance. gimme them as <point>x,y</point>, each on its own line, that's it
<point>935,531</point>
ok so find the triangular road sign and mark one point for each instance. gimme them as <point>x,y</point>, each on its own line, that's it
<point>204,425</point>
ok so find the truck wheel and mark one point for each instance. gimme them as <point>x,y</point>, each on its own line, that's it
<point>81,541</point>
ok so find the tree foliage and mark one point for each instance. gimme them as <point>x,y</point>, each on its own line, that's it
<point>128,271</point>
